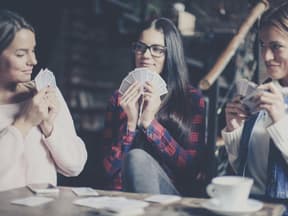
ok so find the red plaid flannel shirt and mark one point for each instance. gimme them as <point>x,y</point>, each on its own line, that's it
<point>118,140</point>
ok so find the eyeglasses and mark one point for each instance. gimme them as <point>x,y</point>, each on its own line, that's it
<point>155,49</point>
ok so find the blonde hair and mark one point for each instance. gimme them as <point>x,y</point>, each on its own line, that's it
<point>277,16</point>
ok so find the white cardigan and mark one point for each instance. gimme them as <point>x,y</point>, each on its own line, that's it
<point>34,158</point>
<point>257,159</point>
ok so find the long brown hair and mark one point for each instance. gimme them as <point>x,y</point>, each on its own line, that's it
<point>177,107</point>
<point>10,24</point>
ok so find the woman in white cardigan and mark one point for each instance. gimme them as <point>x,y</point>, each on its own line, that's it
<point>257,144</point>
<point>37,135</point>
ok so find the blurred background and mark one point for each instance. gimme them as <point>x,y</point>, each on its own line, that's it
<point>87,46</point>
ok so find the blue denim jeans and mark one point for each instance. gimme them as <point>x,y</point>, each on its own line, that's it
<point>141,173</point>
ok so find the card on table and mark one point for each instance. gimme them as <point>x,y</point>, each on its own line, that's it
<point>85,191</point>
<point>163,198</point>
<point>43,188</point>
<point>32,201</point>
<point>128,212</point>
<point>97,202</point>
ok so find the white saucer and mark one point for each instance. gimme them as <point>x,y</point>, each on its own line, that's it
<point>248,208</point>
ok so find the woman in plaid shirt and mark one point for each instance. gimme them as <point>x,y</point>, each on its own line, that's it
<point>165,153</point>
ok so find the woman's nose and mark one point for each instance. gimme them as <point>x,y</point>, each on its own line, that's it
<point>267,54</point>
<point>147,53</point>
<point>32,59</point>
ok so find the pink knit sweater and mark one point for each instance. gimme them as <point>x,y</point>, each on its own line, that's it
<point>34,158</point>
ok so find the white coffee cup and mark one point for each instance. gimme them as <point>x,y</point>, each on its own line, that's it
<point>230,192</point>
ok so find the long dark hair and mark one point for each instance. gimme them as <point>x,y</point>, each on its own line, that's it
<point>179,107</point>
<point>10,24</point>
<point>176,107</point>
<point>276,16</point>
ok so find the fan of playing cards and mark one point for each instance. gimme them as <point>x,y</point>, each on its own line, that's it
<point>143,75</point>
<point>45,78</point>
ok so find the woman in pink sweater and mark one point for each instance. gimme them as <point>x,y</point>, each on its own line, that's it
<point>37,135</point>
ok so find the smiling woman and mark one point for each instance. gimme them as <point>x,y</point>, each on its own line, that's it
<point>18,59</point>
<point>152,40</point>
<point>257,144</point>
<point>32,122</point>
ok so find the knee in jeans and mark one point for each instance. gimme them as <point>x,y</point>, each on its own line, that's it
<point>137,156</point>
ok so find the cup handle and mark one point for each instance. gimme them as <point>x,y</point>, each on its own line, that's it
<point>211,191</point>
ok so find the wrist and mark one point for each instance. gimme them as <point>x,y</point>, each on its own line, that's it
<point>275,118</point>
<point>145,124</point>
<point>22,125</point>
<point>46,128</point>
<point>229,129</point>
<point>131,126</point>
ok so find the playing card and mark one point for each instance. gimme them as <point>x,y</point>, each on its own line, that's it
<point>143,75</point>
<point>249,101</point>
<point>126,207</point>
<point>160,83</point>
<point>124,86</point>
<point>32,201</point>
<point>150,76</point>
<point>45,78</point>
<point>125,204</point>
<point>130,212</point>
<point>248,90</point>
<point>113,205</point>
<point>85,191</point>
<point>98,202</point>
<point>163,199</point>
<point>245,87</point>
<point>43,188</point>
<point>130,78</point>
<point>139,76</point>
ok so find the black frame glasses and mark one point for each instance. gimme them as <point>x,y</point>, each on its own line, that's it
<point>156,50</point>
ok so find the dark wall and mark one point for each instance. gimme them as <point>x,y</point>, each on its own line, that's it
<point>109,53</point>
<point>44,16</point>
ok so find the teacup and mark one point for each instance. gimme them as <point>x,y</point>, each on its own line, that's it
<point>230,192</point>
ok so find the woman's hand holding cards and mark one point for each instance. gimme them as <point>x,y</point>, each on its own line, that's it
<point>53,106</point>
<point>34,111</point>
<point>271,99</point>
<point>129,102</point>
<point>45,81</point>
<point>235,113</point>
<point>152,103</point>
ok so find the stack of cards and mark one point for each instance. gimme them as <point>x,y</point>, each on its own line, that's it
<point>44,79</point>
<point>43,188</point>
<point>126,207</point>
<point>85,191</point>
<point>32,201</point>
<point>163,199</point>
<point>143,75</point>
<point>116,206</point>
<point>248,90</point>
<point>245,87</point>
